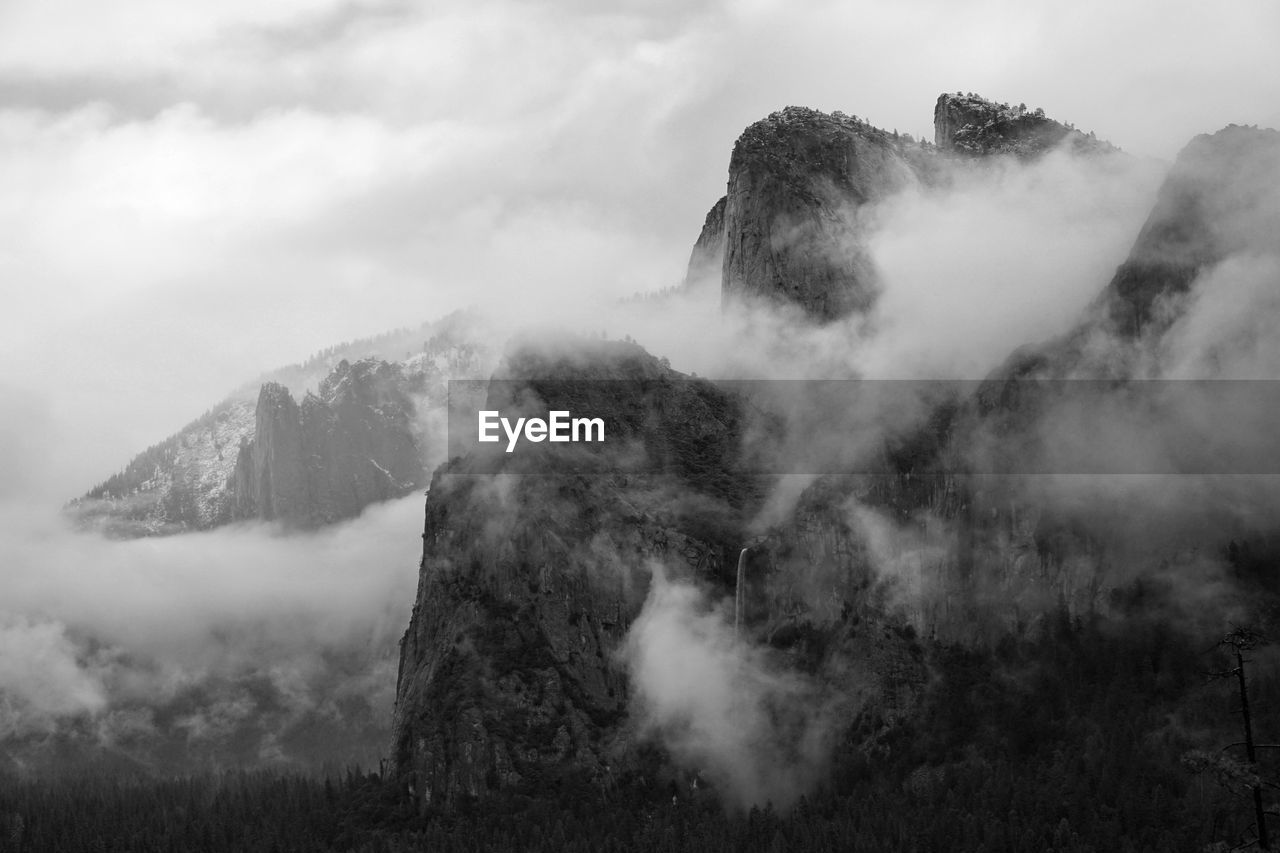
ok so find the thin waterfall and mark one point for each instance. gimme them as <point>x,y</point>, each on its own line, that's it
<point>738,594</point>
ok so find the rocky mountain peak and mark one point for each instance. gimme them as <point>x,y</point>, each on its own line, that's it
<point>1218,200</point>
<point>972,125</point>
<point>796,181</point>
<point>790,229</point>
<point>508,669</point>
<point>794,143</point>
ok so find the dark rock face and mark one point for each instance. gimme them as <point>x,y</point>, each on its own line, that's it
<point>189,481</point>
<point>1218,201</point>
<point>799,180</point>
<point>1016,552</point>
<point>509,670</point>
<point>529,580</point>
<point>707,258</point>
<point>270,480</point>
<point>349,446</point>
<point>968,124</point>
<point>796,182</point>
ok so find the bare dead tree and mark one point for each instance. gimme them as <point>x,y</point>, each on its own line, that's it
<point>1239,641</point>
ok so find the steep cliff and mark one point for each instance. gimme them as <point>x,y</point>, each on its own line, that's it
<point>511,671</point>
<point>797,180</point>
<point>1216,205</point>
<point>213,471</point>
<point>270,478</point>
<point>801,181</point>
<point>530,578</point>
<point>1020,544</point>
<point>1217,201</point>
<point>707,258</point>
<point>344,448</point>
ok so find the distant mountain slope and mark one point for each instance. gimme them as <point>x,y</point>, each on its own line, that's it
<point>352,443</point>
<point>1217,205</point>
<point>357,437</point>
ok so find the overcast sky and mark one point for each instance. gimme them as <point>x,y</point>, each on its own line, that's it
<point>192,193</point>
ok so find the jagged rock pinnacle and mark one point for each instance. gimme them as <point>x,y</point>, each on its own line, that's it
<point>972,125</point>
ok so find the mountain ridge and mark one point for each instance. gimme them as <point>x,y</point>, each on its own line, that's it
<point>841,585</point>
<point>188,481</point>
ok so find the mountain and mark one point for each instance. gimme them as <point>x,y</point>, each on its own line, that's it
<point>1216,207</point>
<point>360,434</point>
<point>349,445</point>
<point>868,590</point>
<point>1217,202</point>
<point>707,256</point>
<point>796,182</point>
<point>971,125</point>
<point>506,670</point>
<point>800,181</point>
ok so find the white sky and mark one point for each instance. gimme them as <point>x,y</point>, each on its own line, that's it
<point>193,193</point>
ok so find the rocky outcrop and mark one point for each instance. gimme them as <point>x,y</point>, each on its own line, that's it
<point>530,578</point>
<point>797,181</point>
<point>971,125</point>
<point>707,258</point>
<point>510,672</point>
<point>348,446</point>
<point>270,479</point>
<point>1217,201</point>
<point>203,476</point>
<point>1017,552</point>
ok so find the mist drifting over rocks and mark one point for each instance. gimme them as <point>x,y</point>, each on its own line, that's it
<point>957,268</point>
<point>565,620</point>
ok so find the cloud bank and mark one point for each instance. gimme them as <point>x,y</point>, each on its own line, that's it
<point>241,643</point>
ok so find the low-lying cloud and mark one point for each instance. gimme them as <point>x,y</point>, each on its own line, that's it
<point>228,643</point>
<point>722,706</point>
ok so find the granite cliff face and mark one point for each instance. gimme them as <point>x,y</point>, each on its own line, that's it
<point>348,446</point>
<point>801,183</point>
<point>1217,202</point>
<point>510,670</point>
<point>797,181</point>
<point>263,454</point>
<point>1216,205</point>
<point>530,578</point>
<point>707,258</point>
<point>1015,551</point>
<point>270,479</point>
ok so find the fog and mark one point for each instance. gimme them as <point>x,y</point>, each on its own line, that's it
<point>189,197</point>
<point>194,644</point>
<point>1007,254</point>
<point>258,184</point>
